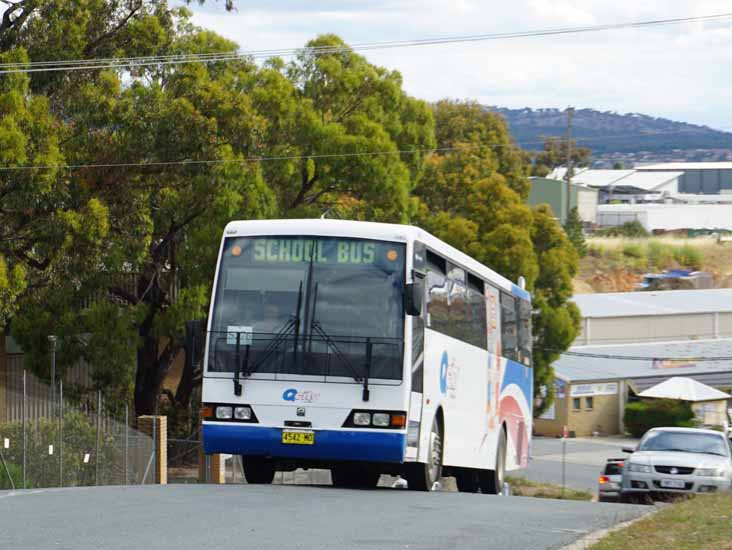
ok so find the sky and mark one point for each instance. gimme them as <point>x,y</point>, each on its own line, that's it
<point>681,72</point>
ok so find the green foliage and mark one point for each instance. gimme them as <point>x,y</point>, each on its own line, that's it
<point>641,416</point>
<point>633,250</point>
<point>555,155</point>
<point>573,228</point>
<point>688,256</point>
<point>79,438</point>
<point>628,229</point>
<point>556,320</point>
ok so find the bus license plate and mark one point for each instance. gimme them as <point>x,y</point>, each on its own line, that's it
<point>298,438</point>
<point>673,483</point>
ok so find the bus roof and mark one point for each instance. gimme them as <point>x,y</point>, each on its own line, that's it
<point>371,230</point>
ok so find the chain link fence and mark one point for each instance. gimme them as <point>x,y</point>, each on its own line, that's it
<point>49,440</point>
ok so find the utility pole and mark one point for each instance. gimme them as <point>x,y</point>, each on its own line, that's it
<point>570,113</point>
<point>52,341</point>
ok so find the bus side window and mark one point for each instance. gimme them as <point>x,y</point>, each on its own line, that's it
<point>437,290</point>
<point>524,331</point>
<point>509,327</point>
<point>457,304</point>
<point>477,312</point>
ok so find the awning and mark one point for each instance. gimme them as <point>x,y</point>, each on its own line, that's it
<point>685,389</point>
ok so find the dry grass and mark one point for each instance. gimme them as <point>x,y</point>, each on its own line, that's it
<point>524,488</point>
<point>702,522</point>
<point>616,264</point>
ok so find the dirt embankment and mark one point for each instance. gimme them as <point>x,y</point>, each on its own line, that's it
<point>618,265</point>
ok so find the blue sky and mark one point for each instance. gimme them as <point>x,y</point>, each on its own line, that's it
<point>680,72</point>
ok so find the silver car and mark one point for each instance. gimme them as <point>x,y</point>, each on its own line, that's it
<point>678,460</point>
<point>608,484</point>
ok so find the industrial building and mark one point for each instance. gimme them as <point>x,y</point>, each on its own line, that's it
<point>593,386</point>
<point>667,315</point>
<point>667,217</point>
<point>630,341</point>
<point>554,193</point>
<point>698,177</point>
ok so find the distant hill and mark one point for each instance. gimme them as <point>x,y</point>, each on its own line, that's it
<point>611,132</point>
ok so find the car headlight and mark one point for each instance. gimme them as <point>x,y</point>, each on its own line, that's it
<point>243,413</point>
<point>223,413</point>
<point>643,468</point>
<point>362,418</point>
<point>710,472</point>
<point>381,419</point>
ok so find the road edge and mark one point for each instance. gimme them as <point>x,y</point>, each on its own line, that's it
<point>596,536</point>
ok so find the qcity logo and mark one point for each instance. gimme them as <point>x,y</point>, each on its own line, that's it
<point>291,394</point>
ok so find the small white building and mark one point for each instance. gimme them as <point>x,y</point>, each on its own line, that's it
<point>665,315</point>
<point>667,217</point>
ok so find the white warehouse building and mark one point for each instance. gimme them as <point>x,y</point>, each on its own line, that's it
<point>667,217</point>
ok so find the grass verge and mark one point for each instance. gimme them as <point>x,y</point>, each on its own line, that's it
<point>524,488</point>
<point>704,521</point>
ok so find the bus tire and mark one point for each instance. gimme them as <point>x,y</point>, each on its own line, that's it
<point>467,480</point>
<point>354,476</point>
<point>258,470</point>
<point>491,481</point>
<point>421,476</point>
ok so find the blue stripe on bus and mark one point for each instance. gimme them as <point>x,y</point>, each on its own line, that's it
<point>329,444</point>
<point>521,375</point>
<point>520,292</point>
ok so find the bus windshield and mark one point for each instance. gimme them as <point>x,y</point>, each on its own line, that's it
<point>319,306</point>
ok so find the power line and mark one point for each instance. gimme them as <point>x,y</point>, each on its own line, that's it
<point>125,62</point>
<point>272,158</point>
<point>247,159</point>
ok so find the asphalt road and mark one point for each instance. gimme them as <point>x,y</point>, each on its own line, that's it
<point>177,517</point>
<point>584,460</point>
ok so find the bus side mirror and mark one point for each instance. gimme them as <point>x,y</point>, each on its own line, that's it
<point>413,298</point>
<point>629,450</point>
<point>194,342</point>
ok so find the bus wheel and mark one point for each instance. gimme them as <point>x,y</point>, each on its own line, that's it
<point>350,476</point>
<point>422,477</point>
<point>491,481</point>
<point>258,470</point>
<point>467,480</point>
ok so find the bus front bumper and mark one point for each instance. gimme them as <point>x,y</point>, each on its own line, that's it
<point>361,445</point>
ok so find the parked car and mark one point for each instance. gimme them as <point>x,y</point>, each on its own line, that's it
<point>610,481</point>
<point>677,461</point>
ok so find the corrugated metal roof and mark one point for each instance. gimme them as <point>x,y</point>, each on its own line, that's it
<point>663,302</point>
<point>647,180</point>
<point>601,178</point>
<point>646,373</point>
<point>687,166</point>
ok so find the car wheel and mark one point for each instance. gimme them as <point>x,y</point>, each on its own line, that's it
<point>258,470</point>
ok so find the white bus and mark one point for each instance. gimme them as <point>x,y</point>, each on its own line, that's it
<point>366,349</point>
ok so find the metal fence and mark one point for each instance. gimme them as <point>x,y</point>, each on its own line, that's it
<point>50,440</point>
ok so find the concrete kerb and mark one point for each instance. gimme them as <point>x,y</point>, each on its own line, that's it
<point>596,536</point>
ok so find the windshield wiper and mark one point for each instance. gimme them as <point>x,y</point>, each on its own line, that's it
<point>292,326</point>
<point>316,327</point>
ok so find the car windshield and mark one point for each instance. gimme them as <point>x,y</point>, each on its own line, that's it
<point>318,306</point>
<point>687,442</point>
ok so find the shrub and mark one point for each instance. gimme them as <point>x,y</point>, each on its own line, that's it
<point>660,256</point>
<point>641,416</point>
<point>628,229</point>
<point>632,250</point>
<point>688,256</point>
<point>79,438</point>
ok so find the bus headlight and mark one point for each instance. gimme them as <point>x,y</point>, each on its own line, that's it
<point>223,413</point>
<point>243,413</point>
<point>381,419</point>
<point>362,418</point>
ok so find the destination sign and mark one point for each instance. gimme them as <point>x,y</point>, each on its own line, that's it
<point>319,251</point>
